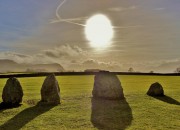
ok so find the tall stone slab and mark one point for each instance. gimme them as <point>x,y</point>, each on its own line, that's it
<point>107,86</point>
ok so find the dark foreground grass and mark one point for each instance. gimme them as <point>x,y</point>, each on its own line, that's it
<point>79,111</point>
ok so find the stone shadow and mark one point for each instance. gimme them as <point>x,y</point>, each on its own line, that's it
<point>25,116</point>
<point>167,99</point>
<point>4,106</point>
<point>111,114</point>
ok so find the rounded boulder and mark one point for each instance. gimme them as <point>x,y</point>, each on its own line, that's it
<point>156,89</point>
<point>12,92</point>
<point>50,91</point>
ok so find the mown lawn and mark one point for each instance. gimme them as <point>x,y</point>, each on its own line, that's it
<point>79,111</point>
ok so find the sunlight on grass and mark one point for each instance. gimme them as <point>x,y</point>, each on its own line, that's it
<point>75,109</point>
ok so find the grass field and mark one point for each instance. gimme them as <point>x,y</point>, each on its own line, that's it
<point>79,111</point>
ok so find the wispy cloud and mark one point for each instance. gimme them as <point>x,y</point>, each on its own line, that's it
<point>120,9</point>
<point>20,58</point>
<point>159,9</point>
<point>168,65</point>
<point>70,57</point>
<point>126,27</point>
<point>65,51</point>
<point>61,54</point>
<point>94,64</point>
<point>75,58</point>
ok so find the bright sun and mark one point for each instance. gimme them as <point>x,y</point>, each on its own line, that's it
<point>99,31</point>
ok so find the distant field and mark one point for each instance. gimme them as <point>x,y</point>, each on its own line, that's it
<point>139,112</point>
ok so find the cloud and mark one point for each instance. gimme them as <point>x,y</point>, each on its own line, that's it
<point>65,51</point>
<point>168,65</point>
<point>20,58</point>
<point>63,55</point>
<point>120,9</point>
<point>95,64</point>
<point>159,9</point>
<point>13,54</point>
<point>161,66</point>
<point>70,57</point>
<point>75,58</point>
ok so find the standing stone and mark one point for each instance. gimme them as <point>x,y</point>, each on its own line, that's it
<point>156,89</point>
<point>12,92</point>
<point>50,92</point>
<point>107,86</point>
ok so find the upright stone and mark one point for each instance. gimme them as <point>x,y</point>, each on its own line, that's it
<point>12,92</point>
<point>156,89</point>
<point>50,92</point>
<point>107,86</point>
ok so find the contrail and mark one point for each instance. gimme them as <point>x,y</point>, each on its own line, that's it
<point>71,21</point>
<point>64,20</point>
<point>57,14</point>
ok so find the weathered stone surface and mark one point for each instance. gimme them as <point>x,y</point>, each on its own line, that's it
<point>156,89</point>
<point>12,92</point>
<point>50,92</point>
<point>107,86</point>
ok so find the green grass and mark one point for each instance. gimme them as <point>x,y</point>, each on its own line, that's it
<point>75,112</point>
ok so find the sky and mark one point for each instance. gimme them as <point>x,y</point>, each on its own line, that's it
<point>146,34</point>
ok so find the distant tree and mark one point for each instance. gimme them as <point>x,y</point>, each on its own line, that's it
<point>130,70</point>
<point>29,70</point>
<point>177,70</point>
<point>151,71</point>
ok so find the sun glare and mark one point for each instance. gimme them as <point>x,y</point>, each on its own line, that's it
<point>99,31</point>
